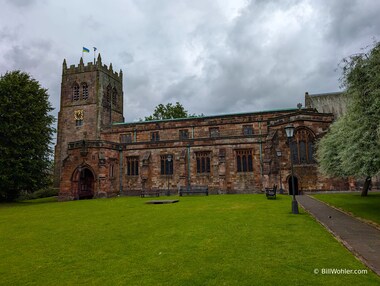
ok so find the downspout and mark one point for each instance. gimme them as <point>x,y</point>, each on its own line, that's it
<point>261,154</point>
<point>120,170</point>
<point>261,149</point>
<point>110,110</point>
<point>188,161</point>
<point>188,167</point>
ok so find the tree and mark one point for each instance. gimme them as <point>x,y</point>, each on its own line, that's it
<point>25,135</point>
<point>169,111</point>
<point>352,145</point>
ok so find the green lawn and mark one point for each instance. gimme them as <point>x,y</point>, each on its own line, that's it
<point>215,240</point>
<point>364,207</point>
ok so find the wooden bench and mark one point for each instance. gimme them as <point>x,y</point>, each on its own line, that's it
<point>150,193</point>
<point>193,190</point>
<point>271,192</point>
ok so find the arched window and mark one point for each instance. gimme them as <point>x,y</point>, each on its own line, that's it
<point>303,147</point>
<point>84,91</point>
<point>203,161</point>
<point>75,90</point>
<point>133,166</point>
<point>107,96</point>
<point>244,160</point>
<point>114,96</point>
<point>166,165</point>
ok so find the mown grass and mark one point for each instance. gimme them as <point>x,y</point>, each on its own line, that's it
<point>215,240</point>
<point>363,207</point>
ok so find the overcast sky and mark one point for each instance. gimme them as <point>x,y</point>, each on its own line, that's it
<point>215,57</point>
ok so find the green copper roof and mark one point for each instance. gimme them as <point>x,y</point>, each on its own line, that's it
<point>208,116</point>
<point>326,94</point>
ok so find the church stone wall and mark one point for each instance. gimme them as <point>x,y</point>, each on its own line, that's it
<point>335,103</point>
<point>267,138</point>
<point>93,157</point>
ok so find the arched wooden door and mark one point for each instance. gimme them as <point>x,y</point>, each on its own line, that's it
<point>86,184</point>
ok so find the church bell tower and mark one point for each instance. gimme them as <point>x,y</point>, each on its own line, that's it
<point>91,100</point>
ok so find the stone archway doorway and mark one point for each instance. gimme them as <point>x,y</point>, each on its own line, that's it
<point>85,184</point>
<point>295,185</point>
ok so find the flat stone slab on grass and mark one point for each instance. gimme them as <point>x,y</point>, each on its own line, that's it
<point>160,202</point>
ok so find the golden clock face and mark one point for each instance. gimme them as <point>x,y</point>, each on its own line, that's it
<point>78,114</point>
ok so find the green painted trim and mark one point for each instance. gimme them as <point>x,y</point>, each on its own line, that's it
<point>206,117</point>
<point>327,93</point>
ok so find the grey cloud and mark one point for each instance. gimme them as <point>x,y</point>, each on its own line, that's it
<point>242,74</point>
<point>352,20</point>
<point>28,56</point>
<point>126,58</point>
<point>22,3</point>
<point>8,34</point>
<point>212,56</point>
<point>91,23</point>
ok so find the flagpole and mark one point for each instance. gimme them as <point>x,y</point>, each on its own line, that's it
<point>94,54</point>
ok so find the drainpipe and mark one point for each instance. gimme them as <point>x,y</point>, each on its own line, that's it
<point>121,170</point>
<point>261,149</point>
<point>110,110</point>
<point>261,154</point>
<point>188,167</point>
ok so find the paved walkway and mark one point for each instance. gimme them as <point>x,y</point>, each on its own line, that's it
<point>360,238</point>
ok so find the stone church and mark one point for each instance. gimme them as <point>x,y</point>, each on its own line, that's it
<point>99,155</point>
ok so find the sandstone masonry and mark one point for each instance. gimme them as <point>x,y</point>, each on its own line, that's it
<point>98,155</point>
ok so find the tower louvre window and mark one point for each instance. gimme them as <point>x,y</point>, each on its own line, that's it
<point>107,97</point>
<point>114,97</point>
<point>75,92</point>
<point>84,91</point>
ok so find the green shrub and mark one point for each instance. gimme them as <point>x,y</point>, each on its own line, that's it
<point>43,193</point>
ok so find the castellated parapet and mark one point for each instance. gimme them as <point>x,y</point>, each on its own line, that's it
<point>90,67</point>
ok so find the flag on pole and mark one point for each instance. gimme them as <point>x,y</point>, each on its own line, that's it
<point>85,50</point>
<point>94,54</point>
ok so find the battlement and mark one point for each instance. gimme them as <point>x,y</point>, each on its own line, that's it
<point>89,67</point>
